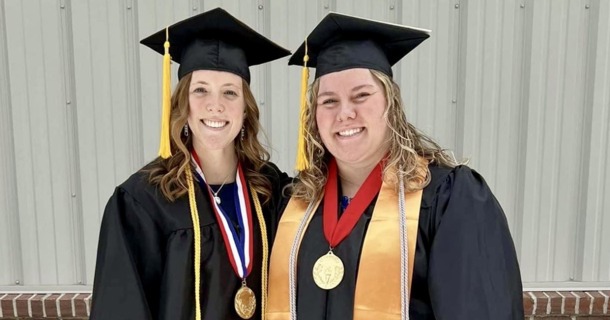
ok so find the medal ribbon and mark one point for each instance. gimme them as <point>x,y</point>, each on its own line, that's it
<point>335,229</point>
<point>239,246</point>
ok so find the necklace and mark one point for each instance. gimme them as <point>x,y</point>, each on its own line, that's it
<point>216,197</point>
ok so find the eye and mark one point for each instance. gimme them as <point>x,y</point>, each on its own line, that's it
<point>362,95</point>
<point>231,93</point>
<point>200,90</point>
<point>328,101</point>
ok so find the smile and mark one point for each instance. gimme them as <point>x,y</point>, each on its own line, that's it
<point>214,123</point>
<point>350,132</point>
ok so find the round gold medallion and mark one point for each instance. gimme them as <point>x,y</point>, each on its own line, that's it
<point>328,271</point>
<point>245,302</point>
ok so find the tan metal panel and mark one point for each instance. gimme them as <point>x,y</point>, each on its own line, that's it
<point>10,244</point>
<point>41,142</point>
<point>555,130</point>
<point>593,260</point>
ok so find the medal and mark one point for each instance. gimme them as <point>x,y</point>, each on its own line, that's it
<point>239,245</point>
<point>328,270</point>
<point>245,302</point>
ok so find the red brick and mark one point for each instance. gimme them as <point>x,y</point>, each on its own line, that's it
<point>88,304</point>
<point>50,305</point>
<point>65,304</point>
<point>22,305</point>
<point>570,303</point>
<point>584,303</point>
<point>541,303</point>
<point>36,304</point>
<point>7,305</point>
<point>528,304</point>
<point>80,308</point>
<point>598,303</point>
<point>607,301</point>
<point>556,301</point>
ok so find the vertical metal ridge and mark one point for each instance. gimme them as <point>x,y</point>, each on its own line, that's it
<point>133,92</point>
<point>8,191</point>
<point>67,47</point>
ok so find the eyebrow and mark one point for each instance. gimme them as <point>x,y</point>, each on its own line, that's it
<point>228,84</point>
<point>329,93</point>
<point>361,86</point>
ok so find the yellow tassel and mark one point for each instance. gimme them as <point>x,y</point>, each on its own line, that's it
<point>302,161</point>
<point>164,145</point>
<point>264,274</point>
<point>197,236</point>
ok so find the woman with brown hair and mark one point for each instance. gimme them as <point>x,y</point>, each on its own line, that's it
<point>186,237</point>
<point>383,223</point>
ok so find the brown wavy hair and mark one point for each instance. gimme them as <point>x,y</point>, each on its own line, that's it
<point>409,152</point>
<point>169,174</point>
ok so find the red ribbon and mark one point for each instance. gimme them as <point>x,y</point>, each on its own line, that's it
<point>335,229</point>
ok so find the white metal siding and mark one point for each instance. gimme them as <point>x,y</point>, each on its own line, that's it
<point>519,87</point>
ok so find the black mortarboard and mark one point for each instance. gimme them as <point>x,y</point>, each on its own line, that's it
<point>341,42</point>
<point>215,40</point>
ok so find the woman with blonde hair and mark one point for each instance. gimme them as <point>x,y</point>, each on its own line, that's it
<point>383,223</point>
<point>186,237</point>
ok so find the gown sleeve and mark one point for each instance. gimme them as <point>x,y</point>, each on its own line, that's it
<point>129,260</point>
<point>473,267</point>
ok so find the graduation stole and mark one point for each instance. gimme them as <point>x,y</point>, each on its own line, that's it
<point>378,287</point>
<point>240,248</point>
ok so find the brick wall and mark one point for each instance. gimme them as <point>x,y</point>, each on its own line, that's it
<point>549,305</point>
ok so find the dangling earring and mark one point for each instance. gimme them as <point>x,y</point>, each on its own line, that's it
<point>243,133</point>
<point>186,130</point>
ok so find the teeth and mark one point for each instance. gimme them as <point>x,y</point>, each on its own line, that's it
<point>214,124</point>
<point>350,132</point>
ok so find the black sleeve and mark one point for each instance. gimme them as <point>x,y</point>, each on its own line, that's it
<point>129,262</point>
<point>473,267</point>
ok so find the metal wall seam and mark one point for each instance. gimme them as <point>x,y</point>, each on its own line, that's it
<point>10,244</point>
<point>595,262</point>
<point>76,213</point>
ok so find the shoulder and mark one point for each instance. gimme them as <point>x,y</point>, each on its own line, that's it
<point>139,189</point>
<point>275,174</point>
<point>457,181</point>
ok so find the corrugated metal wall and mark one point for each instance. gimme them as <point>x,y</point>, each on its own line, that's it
<point>522,88</point>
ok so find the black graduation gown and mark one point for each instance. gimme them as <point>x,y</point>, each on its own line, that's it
<point>144,267</point>
<point>465,261</point>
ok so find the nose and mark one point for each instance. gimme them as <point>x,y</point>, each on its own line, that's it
<point>215,105</point>
<point>346,112</point>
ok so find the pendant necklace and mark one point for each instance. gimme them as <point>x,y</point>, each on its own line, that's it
<point>216,197</point>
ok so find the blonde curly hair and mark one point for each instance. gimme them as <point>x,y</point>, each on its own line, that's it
<point>409,152</point>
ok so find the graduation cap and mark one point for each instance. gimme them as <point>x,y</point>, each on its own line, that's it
<point>213,40</point>
<point>340,42</point>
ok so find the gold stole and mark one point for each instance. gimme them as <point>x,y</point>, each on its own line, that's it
<point>378,284</point>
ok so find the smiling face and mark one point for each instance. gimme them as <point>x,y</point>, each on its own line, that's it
<point>350,117</point>
<point>216,109</point>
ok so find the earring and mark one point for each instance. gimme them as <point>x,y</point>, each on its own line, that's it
<point>186,130</point>
<point>243,133</point>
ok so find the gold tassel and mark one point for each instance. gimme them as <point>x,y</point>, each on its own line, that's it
<point>197,240</point>
<point>164,145</point>
<point>302,160</point>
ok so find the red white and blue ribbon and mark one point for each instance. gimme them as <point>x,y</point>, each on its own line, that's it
<point>239,245</point>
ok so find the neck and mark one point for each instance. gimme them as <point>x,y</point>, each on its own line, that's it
<point>352,178</point>
<point>217,165</point>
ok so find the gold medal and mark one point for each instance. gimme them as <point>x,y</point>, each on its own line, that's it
<point>328,271</point>
<point>245,302</point>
